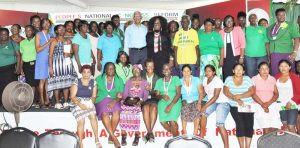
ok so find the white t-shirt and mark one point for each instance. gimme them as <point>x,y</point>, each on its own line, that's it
<point>210,88</point>
<point>285,91</point>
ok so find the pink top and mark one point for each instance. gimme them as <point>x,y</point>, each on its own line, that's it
<point>264,88</point>
<point>239,40</point>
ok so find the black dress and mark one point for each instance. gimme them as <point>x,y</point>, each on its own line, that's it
<point>160,57</point>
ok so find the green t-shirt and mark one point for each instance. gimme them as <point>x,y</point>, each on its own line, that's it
<point>210,43</point>
<point>27,49</point>
<point>8,53</point>
<point>256,39</point>
<point>102,90</point>
<point>283,41</point>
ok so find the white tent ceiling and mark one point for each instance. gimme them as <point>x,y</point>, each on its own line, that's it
<point>48,6</point>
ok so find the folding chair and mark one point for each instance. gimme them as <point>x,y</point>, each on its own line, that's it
<point>188,142</point>
<point>18,137</point>
<point>58,138</point>
<point>279,139</point>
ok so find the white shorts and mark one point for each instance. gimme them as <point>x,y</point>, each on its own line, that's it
<point>270,119</point>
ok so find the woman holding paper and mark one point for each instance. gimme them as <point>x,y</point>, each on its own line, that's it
<point>289,95</point>
<point>240,89</point>
<point>60,66</point>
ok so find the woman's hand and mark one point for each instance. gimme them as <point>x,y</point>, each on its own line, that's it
<point>241,60</point>
<point>168,109</point>
<point>51,72</point>
<point>99,66</point>
<point>199,106</point>
<point>288,106</point>
<point>82,106</point>
<point>67,55</point>
<point>111,105</point>
<point>139,103</point>
<point>166,98</point>
<point>240,102</point>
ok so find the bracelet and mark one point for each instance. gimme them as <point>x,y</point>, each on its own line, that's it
<point>241,57</point>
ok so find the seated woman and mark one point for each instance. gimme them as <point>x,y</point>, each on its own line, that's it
<point>217,101</point>
<point>110,88</point>
<point>149,107</point>
<point>83,96</point>
<point>135,88</point>
<point>192,95</point>
<point>168,90</point>
<point>266,95</point>
<point>240,89</point>
<point>289,95</point>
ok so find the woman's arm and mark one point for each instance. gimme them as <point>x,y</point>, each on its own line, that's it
<point>221,57</point>
<point>50,60</point>
<point>214,98</point>
<point>39,48</point>
<point>94,95</point>
<point>274,98</point>
<point>256,98</point>
<point>246,94</point>
<point>174,101</point>
<point>75,48</point>
<point>99,59</point>
<point>227,93</point>
<point>73,92</point>
<point>18,60</point>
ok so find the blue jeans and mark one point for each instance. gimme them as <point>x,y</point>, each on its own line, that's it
<point>193,66</point>
<point>222,110</point>
<point>252,63</point>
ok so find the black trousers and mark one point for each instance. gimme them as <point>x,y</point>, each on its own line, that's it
<point>243,121</point>
<point>7,75</point>
<point>137,56</point>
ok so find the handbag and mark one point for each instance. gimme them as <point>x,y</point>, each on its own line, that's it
<point>131,101</point>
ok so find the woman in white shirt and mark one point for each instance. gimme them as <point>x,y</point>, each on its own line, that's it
<point>217,101</point>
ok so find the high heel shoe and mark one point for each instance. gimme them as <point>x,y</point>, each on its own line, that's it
<point>136,140</point>
<point>123,142</point>
<point>98,145</point>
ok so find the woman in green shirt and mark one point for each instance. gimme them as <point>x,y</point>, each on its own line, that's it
<point>211,48</point>
<point>123,66</point>
<point>10,60</point>
<point>110,87</point>
<point>168,90</point>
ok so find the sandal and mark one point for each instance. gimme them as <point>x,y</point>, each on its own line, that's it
<point>98,145</point>
<point>124,143</point>
<point>110,140</point>
<point>146,138</point>
<point>116,142</point>
<point>151,138</point>
<point>136,140</point>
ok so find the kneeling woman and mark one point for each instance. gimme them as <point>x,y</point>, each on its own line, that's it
<point>217,101</point>
<point>169,106</point>
<point>83,95</point>
<point>135,89</point>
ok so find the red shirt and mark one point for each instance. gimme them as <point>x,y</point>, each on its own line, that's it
<point>296,86</point>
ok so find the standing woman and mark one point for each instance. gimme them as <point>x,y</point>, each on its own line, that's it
<point>110,88</point>
<point>35,21</point>
<point>108,47</point>
<point>265,96</point>
<point>217,101</point>
<point>123,66</point>
<point>70,31</point>
<point>240,89</point>
<point>297,64</point>
<point>234,45</point>
<point>94,36</point>
<point>83,96</point>
<point>10,60</point>
<point>192,95</point>
<point>158,43</point>
<point>173,27</point>
<point>211,48</point>
<point>60,70</point>
<point>135,88</point>
<point>149,107</point>
<point>82,48</point>
<point>42,44</point>
<point>28,53</point>
<point>168,90</point>
<point>15,30</point>
<point>289,95</point>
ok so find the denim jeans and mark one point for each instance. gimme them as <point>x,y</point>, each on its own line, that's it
<point>222,110</point>
<point>252,63</point>
<point>193,66</point>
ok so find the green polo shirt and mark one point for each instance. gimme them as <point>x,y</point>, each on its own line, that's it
<point>27,49</point>
<point>8,53</point>
<point>102,90</point>
<point>283,43</point>
<point>256,39</point>
<point>210,43</point>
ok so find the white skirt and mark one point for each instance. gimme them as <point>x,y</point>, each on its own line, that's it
<point>270,119</point>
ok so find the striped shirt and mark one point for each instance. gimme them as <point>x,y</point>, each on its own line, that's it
<point>244,87</point>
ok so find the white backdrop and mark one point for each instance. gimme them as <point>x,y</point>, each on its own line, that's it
<point>43,121</point>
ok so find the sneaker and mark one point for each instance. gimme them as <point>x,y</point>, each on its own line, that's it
<point>66,104</point>
<point>58,106</point>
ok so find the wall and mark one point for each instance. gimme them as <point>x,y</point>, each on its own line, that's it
<point>8,17</point>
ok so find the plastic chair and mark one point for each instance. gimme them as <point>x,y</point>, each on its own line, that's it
<point>279,139</point>
<point>187,141</point>
<point>58,138</point>
<point>18,137</point>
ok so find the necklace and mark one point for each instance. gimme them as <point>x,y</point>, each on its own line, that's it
<point>111,86</point>
<point>187,88</point>
<point>166,88</point>
<point>126,71</point>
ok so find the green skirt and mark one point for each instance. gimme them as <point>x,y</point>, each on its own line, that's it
<point>173,115</point>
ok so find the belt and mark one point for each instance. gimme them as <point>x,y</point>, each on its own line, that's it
<point>138,48</point>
